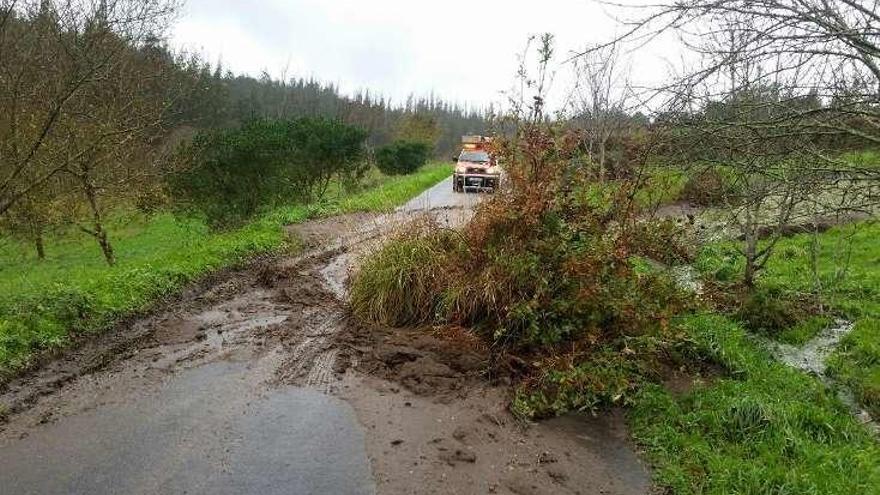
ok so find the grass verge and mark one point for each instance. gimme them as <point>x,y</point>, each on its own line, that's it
<point>763,429</point>
<point>42,304</point>
<point>847,280</point>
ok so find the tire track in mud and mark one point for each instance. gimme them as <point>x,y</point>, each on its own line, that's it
<point>289,306</point>
<point>194,391</point>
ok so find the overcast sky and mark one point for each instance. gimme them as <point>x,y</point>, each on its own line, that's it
<point>464,51</point>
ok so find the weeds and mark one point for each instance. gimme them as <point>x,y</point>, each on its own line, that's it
<point>546,268</point>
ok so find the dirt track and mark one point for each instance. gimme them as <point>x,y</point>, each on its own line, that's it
<point>259,382</point>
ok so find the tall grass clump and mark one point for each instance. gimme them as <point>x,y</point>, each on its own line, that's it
<point>397,284</point>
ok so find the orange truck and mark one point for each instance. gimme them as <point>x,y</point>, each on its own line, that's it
<point>476,168</point>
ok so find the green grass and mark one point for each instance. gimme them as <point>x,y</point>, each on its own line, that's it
<point>762,429</point>
<point>804,331</point>
<point>856,363</point>
<point>42,303</point>
<point>848,267</point>
<point>395,286</point>
<point>766,428</point>
<point>853,293</point>
<point>867,159</point>
<point>664,185</point>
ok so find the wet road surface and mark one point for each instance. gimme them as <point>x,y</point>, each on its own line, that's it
<point>207,406</point>
<point>207,430</point>
<point>442,196</point>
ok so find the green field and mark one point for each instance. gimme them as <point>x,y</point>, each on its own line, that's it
<point>73,290</point>
<point>762,427</point>
<point>849,278</point>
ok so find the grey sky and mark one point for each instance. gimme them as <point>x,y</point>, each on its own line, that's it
<point>461,50</point>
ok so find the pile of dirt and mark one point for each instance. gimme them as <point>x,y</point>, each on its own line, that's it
<point>420,359</point>
<point>466,441</point>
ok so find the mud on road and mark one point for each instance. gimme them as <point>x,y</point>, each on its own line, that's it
<point>259,381</point>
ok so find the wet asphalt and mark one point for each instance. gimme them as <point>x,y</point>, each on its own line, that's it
<point>441,196</point>
<point>207,430</point>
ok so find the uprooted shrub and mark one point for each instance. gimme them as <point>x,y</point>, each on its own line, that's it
<point>544,269</point>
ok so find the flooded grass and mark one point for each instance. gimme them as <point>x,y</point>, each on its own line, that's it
<point>856,363</point>
<point>791,414</point>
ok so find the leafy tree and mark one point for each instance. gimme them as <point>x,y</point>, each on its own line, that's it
<point>419,128</point>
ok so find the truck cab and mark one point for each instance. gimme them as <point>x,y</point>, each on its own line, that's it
<point>476,169</point>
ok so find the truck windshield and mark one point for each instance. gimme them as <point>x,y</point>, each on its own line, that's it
<point>474,156</point>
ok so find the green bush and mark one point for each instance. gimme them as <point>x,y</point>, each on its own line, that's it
<point>402,157</point>
<point>232,175</point>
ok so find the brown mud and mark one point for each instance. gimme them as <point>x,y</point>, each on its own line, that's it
<point>437,423</point>
<point>433,421</point>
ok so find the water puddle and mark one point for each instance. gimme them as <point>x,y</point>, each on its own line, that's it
<point>335,274</point>
<point>811,359</point>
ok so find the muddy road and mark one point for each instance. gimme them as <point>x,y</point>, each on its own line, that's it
<point>258,381</point>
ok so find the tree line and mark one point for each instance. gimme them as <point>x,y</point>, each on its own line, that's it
<point>97,107</point>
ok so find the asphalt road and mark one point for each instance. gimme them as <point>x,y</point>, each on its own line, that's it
<point>213,427</point>
<point>205,431</point>
<point>442,196</point>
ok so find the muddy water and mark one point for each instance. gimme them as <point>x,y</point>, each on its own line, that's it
<point>811,357</point>
<point>244,386</point>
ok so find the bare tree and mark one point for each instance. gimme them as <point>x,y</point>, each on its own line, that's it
<point>829,50</point>
<point>81,87</point>
<point>52,57</point>
<point>781,88</point>
<point>600,101</point>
